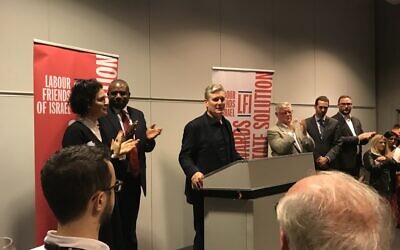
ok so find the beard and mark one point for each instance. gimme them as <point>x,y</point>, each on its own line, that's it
<point>106,215</point>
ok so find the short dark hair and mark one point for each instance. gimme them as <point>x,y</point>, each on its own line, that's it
<point>321,98</point>
<point>341,97</point>
<point>71,176</point>
<point>389,134</point>
<point>396,126</point>
<point>83,95</point>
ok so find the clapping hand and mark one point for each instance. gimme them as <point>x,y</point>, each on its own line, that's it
<point>153,132</point>
<point>130,132</point>
<point>120,146</point>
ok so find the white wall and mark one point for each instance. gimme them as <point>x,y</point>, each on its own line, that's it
<point>167,49</point>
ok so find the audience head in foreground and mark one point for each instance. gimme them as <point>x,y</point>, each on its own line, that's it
<point>78,183</point>
<point>334,211</point>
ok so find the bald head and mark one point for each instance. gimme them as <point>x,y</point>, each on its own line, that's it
<point>118,94</point>
<point>119,82</point>
<point>332,210</point>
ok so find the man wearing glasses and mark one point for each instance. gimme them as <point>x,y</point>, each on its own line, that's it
<point>79,185</point>
<point>352,137</point>
<point>207,145</point>
<point>287,136</point>
<point>131,169</point>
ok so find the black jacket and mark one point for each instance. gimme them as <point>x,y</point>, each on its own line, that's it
<point>199,151</point>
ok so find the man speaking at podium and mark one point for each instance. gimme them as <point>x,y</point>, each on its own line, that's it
<point>207,145</point>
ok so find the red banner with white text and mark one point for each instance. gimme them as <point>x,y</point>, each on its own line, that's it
<point>247,107</point>
<point>55,69</point>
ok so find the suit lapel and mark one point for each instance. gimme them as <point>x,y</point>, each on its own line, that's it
<point>114,120</point>
<point>356,126</point>
<point>295,145</point>
<point>328,126</point>
<point>314,129</point>
<point>347,130</point>
<point>131,115</point>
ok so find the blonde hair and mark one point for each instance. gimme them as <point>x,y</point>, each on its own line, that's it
<point>374,143</point>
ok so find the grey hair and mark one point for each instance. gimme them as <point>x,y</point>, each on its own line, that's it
<point>336,212</point>
<point>282,106</point>
<point>212,88</point>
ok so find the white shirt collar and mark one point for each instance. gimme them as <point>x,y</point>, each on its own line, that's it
<point>346,117</point>
<point>75,242</point>
<point>317,118</point>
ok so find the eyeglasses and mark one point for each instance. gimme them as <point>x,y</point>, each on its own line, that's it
<point>346,104</point>
<point>117,187</point>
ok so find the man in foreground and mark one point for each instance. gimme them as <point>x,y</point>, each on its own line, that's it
<point>78,183</point>
<point>333,211</point>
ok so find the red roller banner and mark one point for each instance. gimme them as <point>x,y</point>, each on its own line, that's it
<point>54,72</point>
<point>247,107</point>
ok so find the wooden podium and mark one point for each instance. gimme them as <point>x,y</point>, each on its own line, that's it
<point>240,200</point>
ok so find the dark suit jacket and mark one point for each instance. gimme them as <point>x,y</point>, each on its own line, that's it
<point>382,175</point>
<point>329,145</point>
<point>199,151</point>
<point>349,159</point>
<point>109,127</point>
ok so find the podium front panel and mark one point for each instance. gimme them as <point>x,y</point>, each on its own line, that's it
<point>241,224</point>
<point>226,223</point>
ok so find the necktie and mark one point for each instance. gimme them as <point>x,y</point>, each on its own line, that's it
<point>321,128</point>
<point>133,157</point>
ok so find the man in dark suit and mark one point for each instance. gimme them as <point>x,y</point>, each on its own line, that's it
<point>207,145</point>
<point>352,137</point>
<point>326,134</point>
<point>131,169</point>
